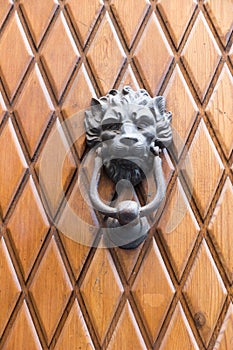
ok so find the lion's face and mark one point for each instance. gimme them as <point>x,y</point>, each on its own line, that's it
<point>127,135</point>
<point>127,126</point>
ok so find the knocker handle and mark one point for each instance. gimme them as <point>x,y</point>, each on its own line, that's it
<point>131,207</point>
<point>94,194</point>
<point>128,215</point>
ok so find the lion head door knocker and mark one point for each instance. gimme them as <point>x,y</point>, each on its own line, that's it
<point>128,130</point>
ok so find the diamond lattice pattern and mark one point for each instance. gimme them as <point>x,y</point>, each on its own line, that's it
<point>175,290</point>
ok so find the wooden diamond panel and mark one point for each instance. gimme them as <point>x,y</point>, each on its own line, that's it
<point>153,55</point>
<point>154,293</point>
<point>34,108</point>
<point>220,227</point>
<point>183,107</point>
<point>210,167</point>
<point>84,14</point>
<point>12,165</point>
<point>201,56</point>
<point>126,329</point>
<point>121,9</point>
<point>225,337</point>
<point>101,301</point>
<point>38,14</point>
<point>23,332</point>
<point>10,288</point>
<point>221,16</point>
<point>14,44</point>
<point>28,244</point>
<point>177,21</point>
<point>179,335</point>
<point>52,182</point>
<point>75,333</point>
<point>77,238</point>
<point>4,10</point>
<point>49,300</point>
<point>205,298</point>
<point>80,94</point>
<point>56,290</point>
<point>220,109</point>
<point>106,55</point>
<point>60,55</point>
<point>179,229</point>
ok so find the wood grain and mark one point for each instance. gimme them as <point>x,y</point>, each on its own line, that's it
<point>179,334</point>
<point>12,166</point>
<point>177,15</point>
<point>34,109</point>
<point>205,293</point>
<point>220,227</point>
<point>50,301</point>
<point>10,288</point>
<point>126,330</point>
<point>84,15</point>
<point>106,56</point>
<point>34,221</point>
<point>210,167</point>
<point>153,67</point>
<point>201,56</point>
<point>60,55</point>
<point>101,300</point>
<point>175,290</point>
<point>220,108</point>
<point>23,332</point>
<point>38,16</point>
<point>179,229</point>
<point>129,24</point>
<point>154,293</point>
<point>13,44</point>
<point>75,333</point>
<point>224,340</point>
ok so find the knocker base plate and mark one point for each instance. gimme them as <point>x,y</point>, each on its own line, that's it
<point>122,237</point>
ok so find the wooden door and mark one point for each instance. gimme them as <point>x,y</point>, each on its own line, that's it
<point>173,292</point>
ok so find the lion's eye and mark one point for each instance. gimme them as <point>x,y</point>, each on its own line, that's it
<point>142,126</point>
<point>112,126</point>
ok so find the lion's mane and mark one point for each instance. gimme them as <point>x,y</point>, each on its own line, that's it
<point>95,114</point>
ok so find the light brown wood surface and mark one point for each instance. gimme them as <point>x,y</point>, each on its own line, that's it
<point>175,290</point>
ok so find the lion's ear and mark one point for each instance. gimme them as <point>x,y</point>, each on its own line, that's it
<point>97,107</point>
<point>159,102</point>
<point>95,101</point>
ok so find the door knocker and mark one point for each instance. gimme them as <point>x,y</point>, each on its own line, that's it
<point>128,130</point>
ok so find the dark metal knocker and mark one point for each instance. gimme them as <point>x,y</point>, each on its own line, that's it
<point>128,128</point>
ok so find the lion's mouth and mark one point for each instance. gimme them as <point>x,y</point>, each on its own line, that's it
<point>130,168</point>
<point>122,161</point>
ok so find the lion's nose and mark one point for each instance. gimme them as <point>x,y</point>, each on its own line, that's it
<point>129,141</point>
